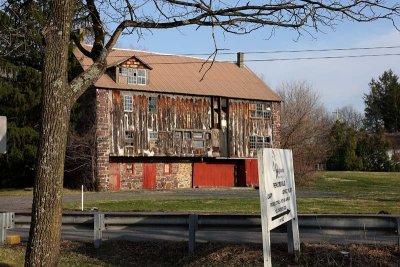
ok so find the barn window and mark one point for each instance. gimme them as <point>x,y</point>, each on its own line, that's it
<point>257,141</point>
<point>167,168</point>
<point>153,136</point>
<point>128,103</point>
<point>178,135</point>
<point>260,110</point>
<point>152,105</point>
<point>141,77</point>
<point>134,76</point>
<point>123,72</point>
<point>130,168</point>
<point>129,136</point>
<point>197,135</point>
<point>198,143</point>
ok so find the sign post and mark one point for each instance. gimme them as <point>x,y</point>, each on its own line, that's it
<point>3,134</point>
<point>277,198</point>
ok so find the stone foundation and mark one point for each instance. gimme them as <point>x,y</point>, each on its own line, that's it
<point>130,176</point>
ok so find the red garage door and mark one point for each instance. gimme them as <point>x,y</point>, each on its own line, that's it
<point>251,166</point>
<point>212,175</point>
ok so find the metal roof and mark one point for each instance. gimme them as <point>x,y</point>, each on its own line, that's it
<point>185,75</point>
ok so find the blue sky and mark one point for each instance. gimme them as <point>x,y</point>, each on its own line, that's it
<point>338,82</point>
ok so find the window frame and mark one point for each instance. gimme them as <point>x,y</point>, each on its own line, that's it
<point>128,107</point>
<point>259,141</point>
<point>134,76</point>
<point>261,111</point>
<point>152,104</point>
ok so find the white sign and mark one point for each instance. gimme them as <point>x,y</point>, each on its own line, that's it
<point>277,187</point>
<point>3,134</point>
<point>277,197</point>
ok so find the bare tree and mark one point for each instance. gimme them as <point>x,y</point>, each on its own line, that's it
<point>305,126</point>
<point>350,116</point>
<point>129,16</point>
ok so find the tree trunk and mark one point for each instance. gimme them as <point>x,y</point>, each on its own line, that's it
<point>44,238</point>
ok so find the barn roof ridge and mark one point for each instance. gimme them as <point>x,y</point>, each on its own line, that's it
<point>177,75</point>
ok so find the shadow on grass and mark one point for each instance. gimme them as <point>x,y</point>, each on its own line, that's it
<point>128,253</point>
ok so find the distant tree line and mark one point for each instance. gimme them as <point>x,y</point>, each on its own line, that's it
<point>346,140</point>
<point>363,146</point>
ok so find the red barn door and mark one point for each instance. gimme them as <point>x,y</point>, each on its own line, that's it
<point>114,177</point>
<point>149,175</point>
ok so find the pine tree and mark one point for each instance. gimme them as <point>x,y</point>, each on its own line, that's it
<point>382,104</point>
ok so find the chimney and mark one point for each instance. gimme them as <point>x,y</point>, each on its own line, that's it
<point>240,59</point>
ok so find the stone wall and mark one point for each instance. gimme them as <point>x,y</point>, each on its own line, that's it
<point>129,176</point>
<point>174,175</point>
<point>102,138</point>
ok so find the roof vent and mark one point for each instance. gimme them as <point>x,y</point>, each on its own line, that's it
<point>240,59</point>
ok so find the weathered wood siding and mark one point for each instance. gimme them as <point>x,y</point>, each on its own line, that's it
<point>243,124</point>
<point>177,127</point>
<point>180,126</point>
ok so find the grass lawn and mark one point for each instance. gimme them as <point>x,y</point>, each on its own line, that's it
<point>357,192</point>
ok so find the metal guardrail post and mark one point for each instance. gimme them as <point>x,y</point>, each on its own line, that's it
<point>10,220</point>
<point>99,226</point>
<point>193,225</point>
<point>3,228</point>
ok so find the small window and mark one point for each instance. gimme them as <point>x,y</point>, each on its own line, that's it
<point>153,136</point>
<point>130,168</point>
<point>167,168</point>
<point>141,77</point>
<point>260,110</point>
<point>178,135</point>
<point>267,139</point>
<point>129,138</point>
<point>257,141</point>
<point>198,143</point>
<point>128,103</point>
<point>252,141</point>
<point>123,72</point>
<point>267,114</point>
<point>129,134</point>
<point>197,135</point>
<point>187,135</point>
<point>152,105</point>
<point>134,76</point>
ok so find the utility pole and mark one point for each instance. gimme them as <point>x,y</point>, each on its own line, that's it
<point>337,114</point>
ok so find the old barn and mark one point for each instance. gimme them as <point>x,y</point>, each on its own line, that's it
<point>169,121</point>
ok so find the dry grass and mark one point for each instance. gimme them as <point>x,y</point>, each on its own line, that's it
<point>125,253</point>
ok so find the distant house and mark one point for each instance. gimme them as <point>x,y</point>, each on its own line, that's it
<point>394,146</point>
<point>169,121</point>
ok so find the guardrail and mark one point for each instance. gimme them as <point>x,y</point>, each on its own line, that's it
<point>339,225</point>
